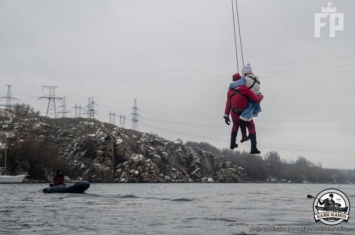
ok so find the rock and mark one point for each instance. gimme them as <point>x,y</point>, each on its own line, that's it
<point>105,153</point>
<point>229,164</point>
<point>167,178</point>
<point>195,171</point>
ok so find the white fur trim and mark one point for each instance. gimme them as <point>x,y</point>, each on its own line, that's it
<point>245,119</point>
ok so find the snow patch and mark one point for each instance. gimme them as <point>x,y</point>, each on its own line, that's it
<point>137,157</point>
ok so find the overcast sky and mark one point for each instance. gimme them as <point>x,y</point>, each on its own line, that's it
<point>177,58</point>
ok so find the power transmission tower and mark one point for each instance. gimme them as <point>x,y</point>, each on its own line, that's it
<point>113,117</point>
<point>90,108</point>
<point>9,99</point>
<point>77,110</point>
<point>110,114</point>
<point>51,100</point>
<point>64,108</point>
<point>135,115</point>
<point>122,120</point>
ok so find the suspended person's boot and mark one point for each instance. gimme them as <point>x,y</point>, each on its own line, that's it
<point>246,138</point>
<point>253,150</point>
<point>243,130</point>
<point>233,139</point>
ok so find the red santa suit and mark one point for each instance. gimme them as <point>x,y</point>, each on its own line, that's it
<point>237,102</point>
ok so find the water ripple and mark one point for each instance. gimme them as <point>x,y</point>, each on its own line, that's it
<point>160,209</point>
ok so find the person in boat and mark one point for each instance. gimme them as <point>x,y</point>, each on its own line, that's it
<point>58,179</point>
<point>328,202</point>
<point>236,104</point>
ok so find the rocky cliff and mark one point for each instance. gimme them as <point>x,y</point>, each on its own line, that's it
<point>101,152</point>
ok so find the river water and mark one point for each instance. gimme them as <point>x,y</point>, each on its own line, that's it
<point>167,209</point>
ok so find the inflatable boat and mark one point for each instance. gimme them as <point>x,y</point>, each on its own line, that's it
<point>77,187</point>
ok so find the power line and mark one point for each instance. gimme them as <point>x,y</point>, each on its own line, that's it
<point>60,73</point>
<point>178,132</point>
<point>306,120</point>
<point>215,78</point>
<point>308,148</point>
<point>181,123</point>
<point>311,148</point>
<point>308,61</point>
<point>351,66</point>
<point>219,124</point>
<point>217,119</point>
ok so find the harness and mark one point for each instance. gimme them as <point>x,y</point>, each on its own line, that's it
<point>254,81</point>
<point>238,111</point>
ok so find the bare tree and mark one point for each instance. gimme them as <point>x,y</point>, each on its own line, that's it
<point>24,110</point>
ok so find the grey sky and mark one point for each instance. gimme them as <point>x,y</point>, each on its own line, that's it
<point>177,58</point>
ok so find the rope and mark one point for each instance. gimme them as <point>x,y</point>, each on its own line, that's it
<point>235,36</point>
<point>240,35</point>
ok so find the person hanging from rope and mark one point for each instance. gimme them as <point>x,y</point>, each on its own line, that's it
<point>238,81</point>
<point>236,104</point>
<point>253,83</point>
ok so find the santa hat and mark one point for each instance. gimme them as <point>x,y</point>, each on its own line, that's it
<point>236,77</point>
<point>247,69</point>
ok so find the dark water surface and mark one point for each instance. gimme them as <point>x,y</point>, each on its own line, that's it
<point>166,209</point>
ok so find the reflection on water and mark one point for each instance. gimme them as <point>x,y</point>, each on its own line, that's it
<point>165,209</point>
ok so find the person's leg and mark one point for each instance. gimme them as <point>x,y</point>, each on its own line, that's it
<point>247,115</point>
<point>252,136</point>
<point>253,149</point>
<point>235,127</point>
<point>243,130</point>
<point>233,143</point>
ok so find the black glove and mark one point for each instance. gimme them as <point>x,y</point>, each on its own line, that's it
<point>227,120</point>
